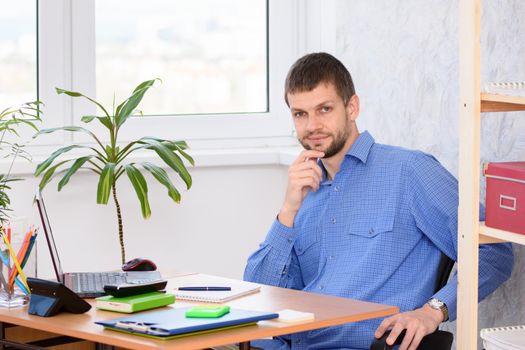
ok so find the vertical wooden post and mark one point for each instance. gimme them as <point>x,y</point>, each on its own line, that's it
<point>469,174</point>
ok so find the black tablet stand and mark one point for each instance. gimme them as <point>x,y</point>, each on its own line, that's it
<point>48,298</point>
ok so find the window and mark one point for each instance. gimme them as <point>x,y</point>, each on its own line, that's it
<point>18,83</point>
<point>75,47</point>
<point>211,55</point>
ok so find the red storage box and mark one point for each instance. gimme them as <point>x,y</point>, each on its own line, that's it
<point>505,204</point>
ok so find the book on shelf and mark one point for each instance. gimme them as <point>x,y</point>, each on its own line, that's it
<point>134,303</point>
<point>505,88</point>
<point>238,288</point>
<point>504,338</point>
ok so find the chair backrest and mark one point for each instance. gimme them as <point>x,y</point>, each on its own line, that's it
<point>439,340</point>
<point>445,267</point>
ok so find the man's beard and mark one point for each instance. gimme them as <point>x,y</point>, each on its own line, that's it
<point>338,143</point>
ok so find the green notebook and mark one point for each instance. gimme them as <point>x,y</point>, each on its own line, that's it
<point>134,303</point>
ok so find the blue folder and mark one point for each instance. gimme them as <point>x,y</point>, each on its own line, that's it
<point>171,323</point>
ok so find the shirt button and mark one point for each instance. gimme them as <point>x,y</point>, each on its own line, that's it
<point>371,232</point>
<point>333,220</point>
<point>331,257</point>
<point>290,240</point>
<point>336,189</point>
<point>321,287</point>
<point>298,341</point>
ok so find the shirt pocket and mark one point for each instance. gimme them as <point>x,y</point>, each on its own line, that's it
<point>372,228</point>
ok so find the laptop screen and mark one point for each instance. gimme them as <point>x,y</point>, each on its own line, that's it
<point>49,236</point>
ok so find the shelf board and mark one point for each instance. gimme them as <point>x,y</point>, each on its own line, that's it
<point>494,235</point>
<point>501,103</point>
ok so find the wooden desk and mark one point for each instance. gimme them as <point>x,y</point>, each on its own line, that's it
<point>328,310</point>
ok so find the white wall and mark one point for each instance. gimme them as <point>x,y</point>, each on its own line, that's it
<point>404,59</point>
<point>219,222</point>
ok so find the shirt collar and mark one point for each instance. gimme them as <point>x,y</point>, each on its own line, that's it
<point>360,150</point>
<point>361,147</point>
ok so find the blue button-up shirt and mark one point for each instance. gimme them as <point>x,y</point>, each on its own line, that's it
<point>376,232</point>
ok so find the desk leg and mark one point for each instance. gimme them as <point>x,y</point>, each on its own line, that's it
<point>244,345</point>
<point>2,335</point>
<point>99,346</point>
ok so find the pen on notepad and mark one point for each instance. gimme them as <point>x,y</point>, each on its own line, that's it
<point>204,288</point>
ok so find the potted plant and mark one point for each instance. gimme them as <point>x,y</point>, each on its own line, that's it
<point>110,161</point>
<point>10,120</point>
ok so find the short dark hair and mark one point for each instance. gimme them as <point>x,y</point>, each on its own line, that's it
<point>315,68</point>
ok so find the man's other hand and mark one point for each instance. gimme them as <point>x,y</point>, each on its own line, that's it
<point>304,175</point>
<point>417,323</point>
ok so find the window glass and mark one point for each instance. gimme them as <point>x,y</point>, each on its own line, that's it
<point>211,55</point>
<point>18,59</point>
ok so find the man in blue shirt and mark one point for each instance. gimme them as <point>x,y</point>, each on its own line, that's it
<point>362,220</point>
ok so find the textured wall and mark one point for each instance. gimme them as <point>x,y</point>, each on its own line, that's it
<point>403,56</point>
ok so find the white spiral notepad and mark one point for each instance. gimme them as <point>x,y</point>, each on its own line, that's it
<point>504,338</point>
<point>238,288</point>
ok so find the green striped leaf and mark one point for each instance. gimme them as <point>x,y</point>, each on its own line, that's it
<point>186,155</point>
<point>141,189</point>
<point>46,163</point>
<point>68,128</point>
<point>162,176</point>
<point>73,169</point>
<point>105,182</point>
<point>106,121</point>
<point>179,146</point>
<point>78,94</point>
<point>63,128</point>
<point>69,93</point>
<point>170,158</point>
<point>49,174</point>
<point>87,118</point>
<point>128,106</point>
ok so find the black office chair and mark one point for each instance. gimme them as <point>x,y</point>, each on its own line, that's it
<point>439,340</point>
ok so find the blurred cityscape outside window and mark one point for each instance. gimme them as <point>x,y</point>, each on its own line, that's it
<point>211,55</point>
<point>18,54</point>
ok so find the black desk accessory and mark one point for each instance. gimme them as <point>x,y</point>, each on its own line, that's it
<point>48,298</point>
<point>126,290</point>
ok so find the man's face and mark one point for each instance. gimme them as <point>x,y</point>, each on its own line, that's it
<point>322,121</point>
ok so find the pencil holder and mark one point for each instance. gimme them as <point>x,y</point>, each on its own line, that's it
<point>17,262</point>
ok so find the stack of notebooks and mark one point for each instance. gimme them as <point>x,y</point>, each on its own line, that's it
<point>135,303</point>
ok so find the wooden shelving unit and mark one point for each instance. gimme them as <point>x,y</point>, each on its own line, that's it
<point>501,103</point>
<point>470,232</point>
<point>493,235</point>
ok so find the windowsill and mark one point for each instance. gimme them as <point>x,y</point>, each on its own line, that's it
<point>204,157</point>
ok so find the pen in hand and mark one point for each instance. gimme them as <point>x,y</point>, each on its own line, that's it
<point>205,288</point>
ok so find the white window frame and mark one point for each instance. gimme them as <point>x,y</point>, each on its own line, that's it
<point>67,60</point>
